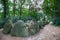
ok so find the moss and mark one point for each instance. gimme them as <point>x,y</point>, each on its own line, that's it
<point>7,27</point>
<point>19,29</point>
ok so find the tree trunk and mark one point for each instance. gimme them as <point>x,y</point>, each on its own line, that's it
<point>6,8</point>
<point>14,7</point>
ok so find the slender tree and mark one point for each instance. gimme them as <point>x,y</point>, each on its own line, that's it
<point>21,3</point>
<point>14,7</point>
<point>6,8</point>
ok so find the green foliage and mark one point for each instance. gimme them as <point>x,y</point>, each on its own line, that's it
<point>14,19</point>
<point>52,9</point>
<point>34,14</point>
<point>48,7</point>
<point>24,15</point>
<point>10,3</point>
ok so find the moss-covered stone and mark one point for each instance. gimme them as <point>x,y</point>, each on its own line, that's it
<point>19,29</point>
<point>33,27</point>
<point>22,29</point>
<point>7,27</point>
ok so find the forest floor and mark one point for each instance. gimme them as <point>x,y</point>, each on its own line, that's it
<point>49,32</point>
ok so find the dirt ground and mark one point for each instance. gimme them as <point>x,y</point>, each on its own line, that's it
<point>48,33</point>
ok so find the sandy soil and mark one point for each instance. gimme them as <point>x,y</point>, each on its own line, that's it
<point>48,33</point>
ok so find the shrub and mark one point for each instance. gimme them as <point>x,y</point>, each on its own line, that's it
<point>15,19</point>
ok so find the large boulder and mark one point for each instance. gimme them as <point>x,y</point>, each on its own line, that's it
<point>33,27</point>
<point>7,27</point>
<point>20,29</point>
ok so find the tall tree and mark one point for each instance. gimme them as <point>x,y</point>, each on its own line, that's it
<point>14,7</point>
<point>6,8</point>
<point>21,2</point>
